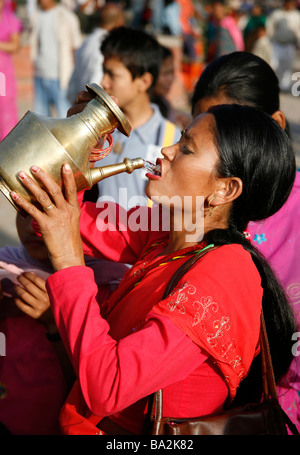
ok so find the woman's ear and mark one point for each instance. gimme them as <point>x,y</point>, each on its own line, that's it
<point>279,117</point>
<point>229,189</point>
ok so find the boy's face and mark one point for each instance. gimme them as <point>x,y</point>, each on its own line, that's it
<point>117,81</point>
<point>33,244</point>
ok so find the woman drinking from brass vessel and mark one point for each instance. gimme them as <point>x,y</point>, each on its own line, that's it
<point>232,164</point>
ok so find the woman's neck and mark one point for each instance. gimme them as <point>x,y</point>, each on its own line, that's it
<point>176,244</point>
<point>188,236</point>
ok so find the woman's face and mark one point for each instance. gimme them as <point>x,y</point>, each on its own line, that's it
<point>204,104</point>
<point>189,166</point>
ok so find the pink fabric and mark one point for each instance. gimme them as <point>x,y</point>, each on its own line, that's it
<point>230,24</point>
<point>9,24</point>
<point>278,238</point>
<point>107,352</point>
<point>33,388</point>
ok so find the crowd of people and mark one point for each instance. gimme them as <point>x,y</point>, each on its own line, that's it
<point>63,34</point>
<point>87,297</point>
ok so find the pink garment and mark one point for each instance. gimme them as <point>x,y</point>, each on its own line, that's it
<point>9,24</point>
<point>32,386</point>
<point>278,238</point>
<point>230,24</point>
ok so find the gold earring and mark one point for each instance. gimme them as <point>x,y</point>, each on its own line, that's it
<point>210,207</point>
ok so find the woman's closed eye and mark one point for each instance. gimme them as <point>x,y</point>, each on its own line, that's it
<point>185,138</point>
<point>185,150</point>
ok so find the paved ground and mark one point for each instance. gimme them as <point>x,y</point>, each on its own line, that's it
<point>8,236</point>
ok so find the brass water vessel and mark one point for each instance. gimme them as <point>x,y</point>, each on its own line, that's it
<point>50,142</point>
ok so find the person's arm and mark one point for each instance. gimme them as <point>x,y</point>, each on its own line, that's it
<point>105,231</point>
<point>11,46</point>
<point>153,357</point>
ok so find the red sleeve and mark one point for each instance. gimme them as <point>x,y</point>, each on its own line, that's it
<point>111,232</point>
<point>154,357</point>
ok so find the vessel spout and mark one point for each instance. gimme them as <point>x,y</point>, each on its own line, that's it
<point>128,165</point>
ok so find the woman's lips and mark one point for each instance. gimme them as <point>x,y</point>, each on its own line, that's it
<point>157,171</point>
<point>152,176</point>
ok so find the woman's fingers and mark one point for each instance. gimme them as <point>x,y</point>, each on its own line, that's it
<point>32,288</point>
<point>53,191</point>
<point>28,207</point>
<point>69,185</point>
<point>52,196</point>
<point>25,308</point>
<point>32,297</point>
<point>44,198</point>
<point>33,283</point>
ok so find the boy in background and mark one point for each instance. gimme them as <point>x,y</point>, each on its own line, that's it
<point>132,60</point>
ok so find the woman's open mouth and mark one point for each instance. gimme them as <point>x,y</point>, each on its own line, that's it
<point>154,169</point>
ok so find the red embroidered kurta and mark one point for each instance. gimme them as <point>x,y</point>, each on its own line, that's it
<point>196,344</point>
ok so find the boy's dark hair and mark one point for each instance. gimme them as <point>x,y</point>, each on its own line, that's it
<point>136,49</point>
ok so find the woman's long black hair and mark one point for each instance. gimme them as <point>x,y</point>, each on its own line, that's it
<point>253,147</point>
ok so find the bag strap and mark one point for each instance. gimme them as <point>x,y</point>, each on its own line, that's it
<point>156,412</point>
<point>268,378</point>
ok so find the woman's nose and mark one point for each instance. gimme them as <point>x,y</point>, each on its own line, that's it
<point>169,152</point>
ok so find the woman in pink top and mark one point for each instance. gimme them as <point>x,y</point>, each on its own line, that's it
<point>199,342</point>
<point>10,28</point>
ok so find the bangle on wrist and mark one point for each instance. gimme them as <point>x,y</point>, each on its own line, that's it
<point>53,336</point>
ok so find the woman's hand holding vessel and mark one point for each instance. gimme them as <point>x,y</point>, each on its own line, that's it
<point>57,213</point>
